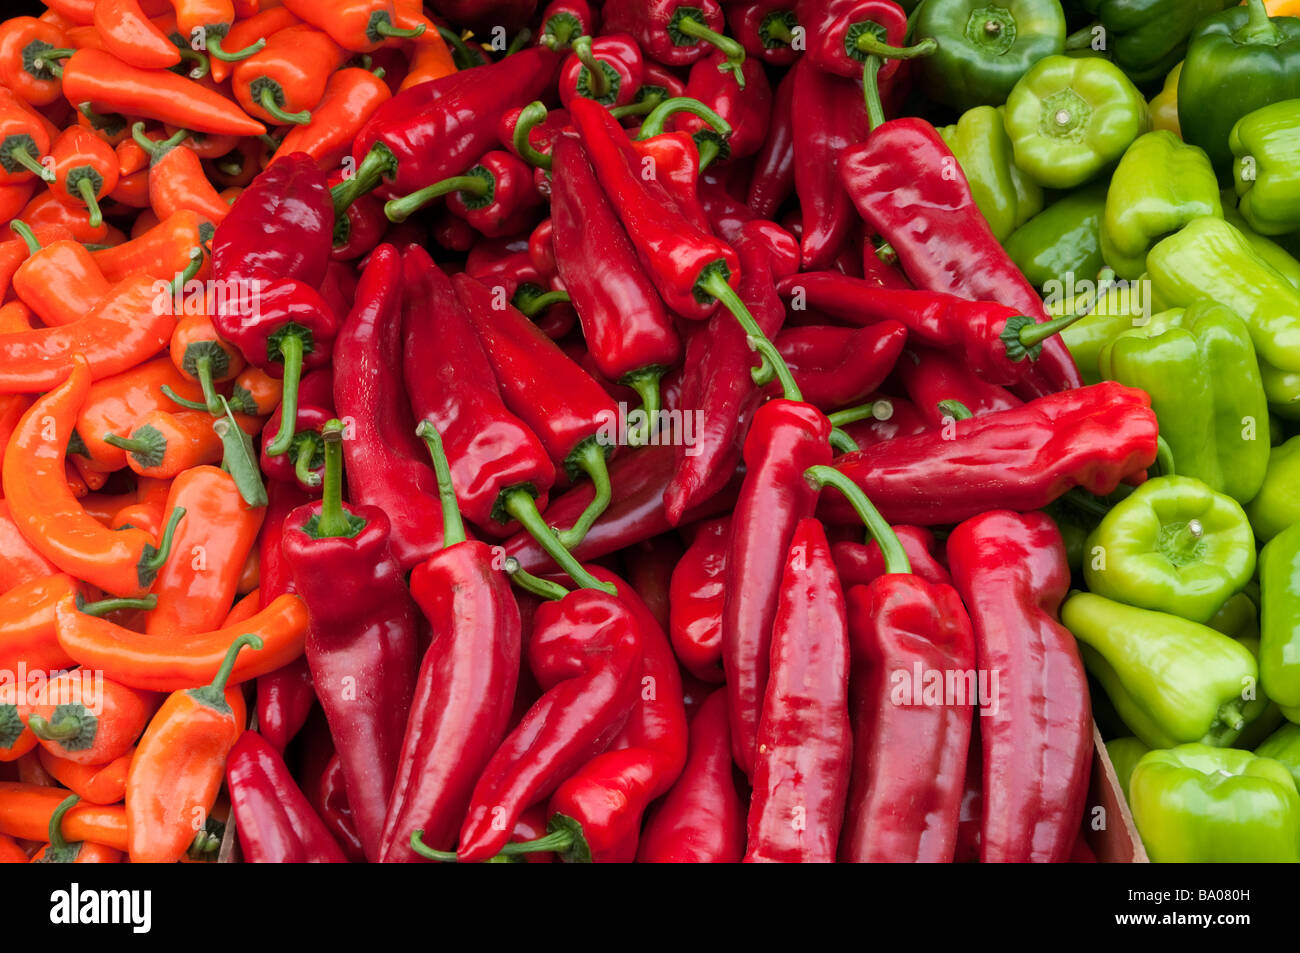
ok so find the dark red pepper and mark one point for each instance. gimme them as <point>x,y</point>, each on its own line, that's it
<point>932,377</point>
<point>746,109</point>
<point>880,419</point>
<point>698,593</point>
<point>674,32</point>
<point>841,34</point>
<point>563,21</point>
<point>862,563</point>
<point>837,367</point>
<point>766,29</point>
<point>772,181</point>
<point>495,196</point>
<point>360,227</point>
<point>607,69</point>
<point>304,461</point>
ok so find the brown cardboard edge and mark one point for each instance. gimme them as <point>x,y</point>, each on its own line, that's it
<point>1116,841</point>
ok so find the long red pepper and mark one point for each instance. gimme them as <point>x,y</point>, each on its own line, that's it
<point>361,645</point>
<point>863,563</point>
<point>931,377</point>
<point>1011,571</point>
<point>804,746</point>
<point>837,367</point>
<point>746,108</point>
<point>466,685</point>
<point>772,180</point>
<point>702,819</point>
<point>697,596</point>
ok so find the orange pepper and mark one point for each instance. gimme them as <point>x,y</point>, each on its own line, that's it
<point>196,590</point>
<point>24,141</point>
<point>93,479</point>
<point>285,81</point>
<point>128,34</point>
<point>15,250</point>
<point>360,26</point>
<point>144,221</point>
<point>256,393</point>
<point>247,31</point>
<point>86,718</point>
<point>179,764</point>
<point>31,771</point>
<point>19,562</point>
<point>199,353</point>
<point>430,60</point>
<point>77,11</point>
<point>204,145</point>
<point>26,810</point>
<point>10,852</point>
<point>168,662</point>
<point>177,180</point>
<point>351,97</point>
<point>85,170</point>
<point>132,190</point>
<point>15,316</point>
<point>28,48</point>
<point>45,210</point>
<point>27,628</point>
<point>14,198</point>
<point>241,165</point>
<point>110,127</point>
<point>61,282</point>
<point>60,851</point>
<point>244,609</point>
<point>49,517</point>
<point>96,783</point>
<point>105,506</point>
<point>250,575</point>
<point>163,443</point>
<point>116,404</point>
<point>161,252</point>
<point>16,739</point>
<point>1283,8</point>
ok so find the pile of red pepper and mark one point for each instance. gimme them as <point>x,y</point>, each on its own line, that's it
<point>483,433</point>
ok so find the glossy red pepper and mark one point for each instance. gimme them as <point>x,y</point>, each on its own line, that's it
<point>359,228</point>
<point>881,418</point>
<point>674,32</point>
<point>607,69</point>
<point>564,20</point>
<point>765,28</point>
<point>495,196</point>
<point>861,563</point>
<point>931,377</point>
<point>804,746</point>
<point>835,27</point>
<point>746,107</point>
<point>1011,571</point>
<point>772,181</point>
<point>697,596</point>
<point>837,367</point>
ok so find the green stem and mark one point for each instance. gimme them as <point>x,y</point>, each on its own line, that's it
<point>530,306</point>
<point>871,45</point>
<point>192,269</point>
<point>468,57</point>
<point>334,520</point>
<point>709,152</point>
<point>217,687</point>
<point>387,28</point>
<point>399,210</point>
<point>203,371</point>
<point>1259,28</point>
<point>1164,457</point>
<point>646,384</point>
<point>517,44</point>
<point>597,82</point>
<point>453,526</point>
<point>842,441</point>
<point>214,49</point>
<point>542,588</point>
<point>424,850</point>
<point>773,364</point>
<point>69,726</point>
<point>1081,39</point>
<point>302,470</point>
<point>589,457</point>
<point>86,189</point>
<point>177,399</point>
<point>57,841</point>
<point>877,410</point>
<point>164,549</point>
<point>23,231</point>
<point>378,164</point>
<point>24,158</point>
<point>201,66</point>
<point>1034,334</point>
<point>654,123</point>
<point>105,606</point>
<point>291,351</point>
<point>1085,502</point>
<point>559,35</point>
<point>955,409</point>
<point>895,556</point>
<point>277,112</point>
<point>871,92</point>
<point>734,52</point>
<point>156,150</point>
<point>519,503</point>
<point>529,118</point>
<point>641,107</point>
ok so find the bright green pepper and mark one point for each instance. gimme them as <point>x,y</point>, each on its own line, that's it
<point>1160,185</point>
<point>1124,754</point>
<point>1063,239</point>
<point>1279,583</point>
<point>1265,148</point>
<point>1174,545</point>
<point>1277,504</point>
<point>1005,195</point>
<point>1237,61</point>
<point>1119,308</point>
<point>1069,119</point>
<point>1146,38</point>
<point>985,46</point>
<point>1173,681</point>
<point>1199,367</point>
<point>1239,619</point>
<point>1266,248</point>
<point>1284,746</point>
<point>1197,804</point>
<point>1211,259</point>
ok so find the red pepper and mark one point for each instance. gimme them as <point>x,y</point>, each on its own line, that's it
<point>675,32</point>
<point>843,33</point>
<point>496,196</point>
<point>702,819</point>
<point>466,685</point>
<point>772,181</point>
<point>607,69</point>
<point>698,594</point>
<point>359,228</point>
<point>1011,571</point>
<point>302,464</point>
<point>482,15</point>
<point>30,52</point>
<point>321,776</point>
<point>803,749</point>
<point>1019,459</point>
<point>881,419</point>
<point>766,29</point>
<point>649,566</point>
<point>628,331</point>
<point>274,819</point>
<point>746,107</point>
<point>942,239</point>
<point>785,438</point>
<point>361,645</point>
<point>565,20</point>
<point>933,377</point>
<point>836,367</point>
<point>435,130</point>
<point>387,465</point>
<point>861,563</point>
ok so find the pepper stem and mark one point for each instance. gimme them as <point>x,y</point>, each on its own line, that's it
<point>519,503</point>
<point>532,305</point>
<point>871,91</point>
<point>67,726</point>
<point>1033,334</point>
<point>646,384</point>
<point>212,693</point>
<point>843,442</point>
<point>192,269</point>
<point>542,588</point>
<point>155,562</point>
<point>399,210</point>
<point>460,49</point>
<point>378,164</point>
<point>597,82</point>
<point>876,410</point>
<point>23,231</point>
<point>654,123</point>
<point>529,117</point>
<point>734,52</point>
<point>334,520</point>
<point>49,59</point>
<point>424,850</point>
<point>302,471</point>
<point>589,457</point>
<point>559,30</point>
<point>105,606</point>
<point>955,409</point>
<point>772,364</point>
<point>214,49</point>
<point>57,840</point>
<point>201,66</point>
<point>1259,27</point>
<point>291,351</point>
<point>157,149</point>
<point>86,189</point>
<point>203,371</point>
<point>871,44</point>
<point>277,112</point>
<point>895,556</point>
<point>19,154</point>
<point>386,28</point>
<point>178,399</point>
<point>1164,457</point>
<point>453,526</point>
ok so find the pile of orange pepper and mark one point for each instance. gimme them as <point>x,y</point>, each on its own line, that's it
<point>128,552</point>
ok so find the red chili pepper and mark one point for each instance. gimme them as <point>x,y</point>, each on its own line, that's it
<point>361,644</point>
<point>274,819</point>
<point>746,106</point>
<point>303,463</point>
<point>1011,571</point>
<point>942,240</point>
<point>466,685</point>
<point>785,438</point>
<point>934,377</point>
<point>128,33</point>
<point>496,196</point>
<point>563,21</point>
<point>702,819</point>
<point>862,563</point>
<point>1019,459</point>
<point>842,34</point>
<point>607,69</point>
<point>698,594</point>
<point>772,181</point>
<point>649,569</point>
<point>766,29</point>
<point>801,760</point>
<point>675,32</point>
<point>836,367</point>
<point>30,52</point>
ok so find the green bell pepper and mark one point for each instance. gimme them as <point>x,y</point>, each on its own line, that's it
<point>1199,367</point>
<point>1284,746</point>
<point>1266,248</point>
<point>1005,195</point>
<point>1174,545</point>
<point>1124,754</point>
<point>1237,61</point>
<point>1173,681</point>
<point>1146,38</point>
<point>1277,504</point>
<point>1211,259</point>
<point>1069,119</point>
<point>1160,185</point>
<point>1279,584</point>
<point>1265,148</point>
<point>985,46</point>
<point>1063,239</point>
<point>1239,619</point>
<point>1118,309</point>
<point>1197,804</point>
